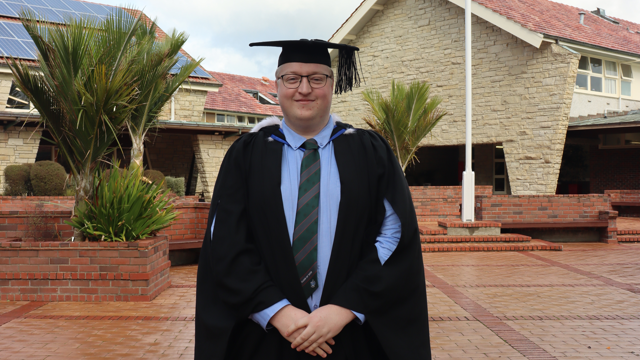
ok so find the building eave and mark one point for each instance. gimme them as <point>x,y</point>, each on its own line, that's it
<point>514,28</point>
<point>360,17</point>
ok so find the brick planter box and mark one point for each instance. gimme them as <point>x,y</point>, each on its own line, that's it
<point>84,271</point>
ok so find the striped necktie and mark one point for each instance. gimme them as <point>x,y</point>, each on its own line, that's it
<point>305,235</point>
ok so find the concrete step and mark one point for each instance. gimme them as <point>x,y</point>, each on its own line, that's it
<point>458,228</point>
<point>504,238</point>
<point>534,245</point>
<point>628,238</point>
<point>435,216</point>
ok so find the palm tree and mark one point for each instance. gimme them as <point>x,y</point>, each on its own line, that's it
<point>84,87</point>
<point>156,85</point>
<point>404,118</point>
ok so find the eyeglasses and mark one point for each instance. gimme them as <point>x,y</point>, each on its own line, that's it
<point>293,81</point>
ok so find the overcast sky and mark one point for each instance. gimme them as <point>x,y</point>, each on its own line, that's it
<point>221,30</point>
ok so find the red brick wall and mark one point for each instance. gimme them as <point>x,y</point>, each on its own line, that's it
<point>191,222</point>
<point>614,169</point>
<point>434,203</point>
<point>624,195</point>
<point>84,271</point>
<point>543,208</point>
<point>45,225</point>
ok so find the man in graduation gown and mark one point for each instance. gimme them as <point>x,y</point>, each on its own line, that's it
<point>313,246</point>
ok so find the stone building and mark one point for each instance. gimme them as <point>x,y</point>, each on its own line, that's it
<point>540,70</point>
<point>198,125</point>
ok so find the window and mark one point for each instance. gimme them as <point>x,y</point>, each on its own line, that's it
<point>500,179</point>
<point>17,100</point>
<point>241,120</point>
<point>231,119</point>
<point>625,88</point>
<point>620,140</point>
<point>220,118</point>
<point>252,120</point>
<point>627,73</point>
<point>603,76</point>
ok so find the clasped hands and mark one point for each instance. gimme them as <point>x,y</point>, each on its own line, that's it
<point>312,333</point>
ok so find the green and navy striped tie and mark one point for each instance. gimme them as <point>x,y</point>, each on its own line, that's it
<point>305,235</point>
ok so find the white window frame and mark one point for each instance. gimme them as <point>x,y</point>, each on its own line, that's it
<point>226,115</point>
<point>618,78</point>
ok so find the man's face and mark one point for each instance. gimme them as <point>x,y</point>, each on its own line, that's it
<point>305,106</point>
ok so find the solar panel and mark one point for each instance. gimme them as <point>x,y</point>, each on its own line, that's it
<point>4,32</point>
<point>68,14</point>
<point>57,4</point>
<point>34,2</point>
<point>200,72</point>
<point>77,6</point>
<point>48,13</point>
<point>15,48</point>
<point>18,30</point>
<point>18,8</point>
<point>98,9</point>
<point>5,10</point>
<point>30,45</point>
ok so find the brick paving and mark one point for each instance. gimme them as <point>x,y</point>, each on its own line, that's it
<point>581,303</point>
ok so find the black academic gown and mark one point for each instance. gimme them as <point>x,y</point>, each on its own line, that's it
<point>248,265</point>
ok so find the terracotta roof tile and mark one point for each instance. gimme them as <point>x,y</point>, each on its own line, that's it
<point>232,97</point>
<point>563,21</point>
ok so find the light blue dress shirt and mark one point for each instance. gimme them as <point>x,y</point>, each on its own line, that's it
<point>386,241</point>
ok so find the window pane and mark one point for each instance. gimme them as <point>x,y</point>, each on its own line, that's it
<point>610,86</point>
<point>241,119</point>
<point>231,119</point>
<point>611,68</point>
<point>596,84</point>
<point>626,71</point>
<point>252,120</point>
<point>499,184</point>
<point>625,87</point>
<point>596,65</point>
<point>582,82</point>
<point>584,63</point>
<point>632,139</point>
<point>611,139</point>
<point>499,168</point>
<point>220,118</point>
<point>499,152</point>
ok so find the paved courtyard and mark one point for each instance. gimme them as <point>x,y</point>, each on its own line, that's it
<point>581,303</point>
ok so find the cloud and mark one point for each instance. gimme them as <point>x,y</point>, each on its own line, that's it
<point>221,30</point>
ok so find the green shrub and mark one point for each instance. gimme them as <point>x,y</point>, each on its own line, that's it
<point>17,180</point>
<point>155,177</point>
<point>124,208</point>
<point>176,185</point>
<point>48,178</point>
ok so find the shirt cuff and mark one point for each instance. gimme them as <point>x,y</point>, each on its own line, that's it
<point>262,317</point>
<point>361,318</point>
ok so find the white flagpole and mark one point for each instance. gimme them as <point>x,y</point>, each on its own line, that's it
<point>468,176</point>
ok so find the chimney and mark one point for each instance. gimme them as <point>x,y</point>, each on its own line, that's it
<point>582,17</point>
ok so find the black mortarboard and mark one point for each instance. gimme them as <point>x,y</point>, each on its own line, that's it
<point>317,52</point>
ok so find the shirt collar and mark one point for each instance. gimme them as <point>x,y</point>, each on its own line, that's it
<point>295,140</point>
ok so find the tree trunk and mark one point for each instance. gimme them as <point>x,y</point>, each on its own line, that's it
<point>84,189</point>
<point>137,153</point>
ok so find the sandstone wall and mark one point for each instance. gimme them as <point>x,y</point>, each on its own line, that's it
<point>521,95</point>
<point>189,105</point>
<point>209,151</point>
<point>17,146</point>
<point>6,79</point>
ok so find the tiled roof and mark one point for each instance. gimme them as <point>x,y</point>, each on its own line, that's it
<point>563,21</point>
<point>232,97</point>
<point>631,117</point>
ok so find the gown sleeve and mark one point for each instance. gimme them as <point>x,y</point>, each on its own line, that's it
<point>237,270</point>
